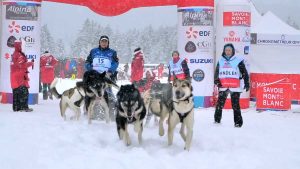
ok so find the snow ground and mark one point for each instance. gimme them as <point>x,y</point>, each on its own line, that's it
<point>43,140</point>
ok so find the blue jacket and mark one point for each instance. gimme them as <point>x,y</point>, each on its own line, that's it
<point>98,55</point>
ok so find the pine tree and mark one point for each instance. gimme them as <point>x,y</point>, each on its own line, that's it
<point>47,41</point>
<point>60,49</point>
<point>86,40</point>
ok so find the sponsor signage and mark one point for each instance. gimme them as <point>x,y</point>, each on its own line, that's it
<point>274,96</point>
<point>284,40</point>
<point>237,18</point>
<point>197,17</point>
<point>198,75</point>
<point>232,37</point>
<point>21,12</point>
<point>205,61</point>
<point>261,79</point>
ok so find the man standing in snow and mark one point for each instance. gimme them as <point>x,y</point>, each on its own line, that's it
<point>104,59</point>
<point>230,69</point>
<point>47,64</point>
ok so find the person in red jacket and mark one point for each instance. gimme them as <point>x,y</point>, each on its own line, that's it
<point>47,64</point>
<point>137,66</point>
<point>146,83</point>
<point>80,68</point>
<point>19,78</point>
<point>160,70</point>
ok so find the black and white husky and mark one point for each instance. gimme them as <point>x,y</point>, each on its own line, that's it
<point>183,111</point>
<point>130,110</point>
<point>68,99</point>
<point>95,85</point>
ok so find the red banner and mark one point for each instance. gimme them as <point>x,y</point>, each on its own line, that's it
<point>117,7</point>
<point>274,97</point>
<point>261,79</point>
<point>236,18</point>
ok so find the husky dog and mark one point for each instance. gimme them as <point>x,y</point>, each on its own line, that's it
<point>95,85</point>
<point>69,98</point>
<point>130,110</point>
<point>183,111</point>
<point>160,103</point>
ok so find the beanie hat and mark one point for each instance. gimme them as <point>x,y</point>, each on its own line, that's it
<point>104,37</point>
<point>137,50</point>
<point>10,41</point>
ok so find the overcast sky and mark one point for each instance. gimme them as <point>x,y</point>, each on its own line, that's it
<point>65,20</point>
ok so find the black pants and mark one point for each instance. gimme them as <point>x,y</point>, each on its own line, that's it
<point>235,103</point>
<point>46,90</point>
<point>20,98</point>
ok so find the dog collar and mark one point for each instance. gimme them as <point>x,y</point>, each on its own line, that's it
<point>186,99</point>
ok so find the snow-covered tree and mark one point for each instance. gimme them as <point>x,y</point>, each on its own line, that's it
<point>47,41</point>
<point>60,49</point>
<point>157,44</point>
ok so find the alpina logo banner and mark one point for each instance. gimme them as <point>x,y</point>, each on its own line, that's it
<point>21,12</point>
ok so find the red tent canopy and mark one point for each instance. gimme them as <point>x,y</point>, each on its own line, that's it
<point>117,7</point>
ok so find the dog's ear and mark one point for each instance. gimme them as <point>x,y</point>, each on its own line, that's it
<point>79,84</point>
<point>122,87</point>
<point>109,81</point>
<point>189,79</point>
<point>103,74</point>
<point>119,95</point>
<point>135,93</point>
<point>133,86</point>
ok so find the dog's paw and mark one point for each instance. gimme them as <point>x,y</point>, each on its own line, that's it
<point>161,132</point>
<point>127,142</point>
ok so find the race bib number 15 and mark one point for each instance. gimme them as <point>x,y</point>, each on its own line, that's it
<point>101,64</point>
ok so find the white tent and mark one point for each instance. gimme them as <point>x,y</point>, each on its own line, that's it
<point>274,44</point>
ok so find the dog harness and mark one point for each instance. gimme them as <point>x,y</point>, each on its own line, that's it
<point>182,116</point>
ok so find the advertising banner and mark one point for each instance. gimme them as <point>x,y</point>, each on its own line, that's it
<point>262,79</point>
<point>270,39</point>
<point>196,45</point>
<point>20,21</point>
<point>275,96</point>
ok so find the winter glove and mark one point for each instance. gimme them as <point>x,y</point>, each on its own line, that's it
<point>218,83</point>
<point>247,87</point>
